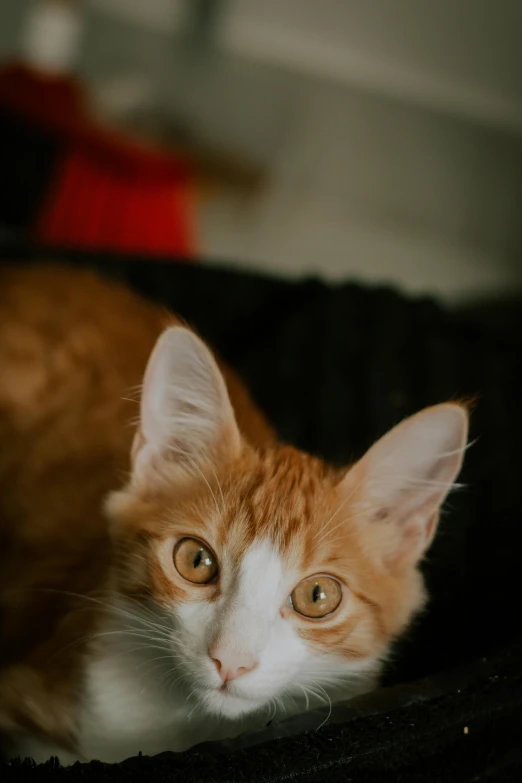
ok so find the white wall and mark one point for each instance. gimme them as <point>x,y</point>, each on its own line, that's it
<point>159,15</point>
<point>398,154</point>
<point>381,190</point>
<point>458,55</point>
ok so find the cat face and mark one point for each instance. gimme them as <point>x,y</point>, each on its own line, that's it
<point>276,576</point>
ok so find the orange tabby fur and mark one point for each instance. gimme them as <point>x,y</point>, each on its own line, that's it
<point>72,346</point>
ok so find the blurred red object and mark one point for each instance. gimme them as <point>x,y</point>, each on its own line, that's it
<point>104,190</point>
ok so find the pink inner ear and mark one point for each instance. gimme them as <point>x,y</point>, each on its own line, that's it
<point>411,540</point>
<point>382,514</point>
<point>185,408</point>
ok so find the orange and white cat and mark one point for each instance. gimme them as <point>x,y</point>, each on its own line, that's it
<point>187,577</point>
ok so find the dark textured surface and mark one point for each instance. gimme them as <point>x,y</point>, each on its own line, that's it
<point>334,368</point>
<point>28,161</point>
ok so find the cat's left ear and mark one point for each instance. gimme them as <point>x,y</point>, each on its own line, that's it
<point>402,481</point>
<point>186,418</point>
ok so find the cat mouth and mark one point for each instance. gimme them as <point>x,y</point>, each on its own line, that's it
<point>227,704</point>
<point>228,694</point>
<point>227,689</point>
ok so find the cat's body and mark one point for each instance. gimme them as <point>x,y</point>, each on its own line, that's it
<point>108,643</point>
<point>73,350</point>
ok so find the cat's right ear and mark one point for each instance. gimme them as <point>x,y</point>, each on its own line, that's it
<point>186,418</point>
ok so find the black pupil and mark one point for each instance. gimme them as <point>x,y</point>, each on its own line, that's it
<point>198,558</point>
<point>316,593</point>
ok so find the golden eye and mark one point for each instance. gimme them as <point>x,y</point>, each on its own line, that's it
<point>317,596</point>
<point>195,561</point>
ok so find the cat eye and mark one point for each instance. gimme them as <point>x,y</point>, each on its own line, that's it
<point>195,562</point>
<point>316,596</point>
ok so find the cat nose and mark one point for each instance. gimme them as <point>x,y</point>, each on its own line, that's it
<point>230,667</point>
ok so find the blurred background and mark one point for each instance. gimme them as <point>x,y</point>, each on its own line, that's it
<point>375,140</point>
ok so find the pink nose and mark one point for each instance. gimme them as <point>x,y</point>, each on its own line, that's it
<point>230,667</point>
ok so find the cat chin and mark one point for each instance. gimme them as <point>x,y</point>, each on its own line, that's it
<point>228,705</point>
